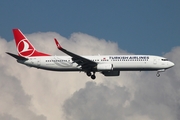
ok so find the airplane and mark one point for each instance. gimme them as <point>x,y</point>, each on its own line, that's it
<point>108,65</point>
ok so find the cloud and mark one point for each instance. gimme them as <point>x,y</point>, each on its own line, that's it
<point>96,102</point>
<point>7,117</point>
<point>30,93</point>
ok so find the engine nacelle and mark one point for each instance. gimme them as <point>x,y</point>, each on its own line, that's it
<point>104,67</point>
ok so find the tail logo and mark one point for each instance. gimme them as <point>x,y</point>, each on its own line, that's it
<point>24,48</point>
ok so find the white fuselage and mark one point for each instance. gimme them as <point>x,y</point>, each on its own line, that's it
<point>119,62</point>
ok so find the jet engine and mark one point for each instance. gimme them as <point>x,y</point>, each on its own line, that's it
<point>103,67</point>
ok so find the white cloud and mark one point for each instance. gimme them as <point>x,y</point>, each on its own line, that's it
<point>30,93</point>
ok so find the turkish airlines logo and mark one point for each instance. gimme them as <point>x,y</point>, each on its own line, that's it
<point>24,48</point>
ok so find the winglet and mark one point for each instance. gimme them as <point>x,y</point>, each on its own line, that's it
<point>57,44</point>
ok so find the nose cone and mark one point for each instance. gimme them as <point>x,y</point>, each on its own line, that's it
<point>171,64</point>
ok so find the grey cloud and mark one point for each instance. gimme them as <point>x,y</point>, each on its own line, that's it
<point>155,99</point>
<point>14,101</point>
<point>96,102</point>
<point>7,117</point>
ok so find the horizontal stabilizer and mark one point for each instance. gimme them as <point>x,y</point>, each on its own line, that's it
<point>16,56</point>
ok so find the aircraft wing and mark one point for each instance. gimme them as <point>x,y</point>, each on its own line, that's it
<point>84,62</point>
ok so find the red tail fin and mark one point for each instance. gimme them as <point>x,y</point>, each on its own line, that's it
<point>24,47</point>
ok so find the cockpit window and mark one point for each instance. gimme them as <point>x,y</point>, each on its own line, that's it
<point>164,59</point>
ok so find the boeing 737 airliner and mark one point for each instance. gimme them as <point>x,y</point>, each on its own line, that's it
<point>108,65</point>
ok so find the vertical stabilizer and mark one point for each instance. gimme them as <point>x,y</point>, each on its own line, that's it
<point>24,47</point>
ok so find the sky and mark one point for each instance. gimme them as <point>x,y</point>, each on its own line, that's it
<point>90,28</point>
<point>139,27</point>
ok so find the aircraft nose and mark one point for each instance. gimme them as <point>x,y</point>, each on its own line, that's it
<point>171,64</point>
